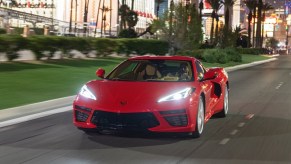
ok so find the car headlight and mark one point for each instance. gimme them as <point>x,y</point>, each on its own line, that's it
<point>178,95</point>
<point>87,93</point>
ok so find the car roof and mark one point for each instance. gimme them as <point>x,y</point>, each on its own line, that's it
<point>153,57</point>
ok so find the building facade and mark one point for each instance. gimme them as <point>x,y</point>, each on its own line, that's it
<point>70,14</point>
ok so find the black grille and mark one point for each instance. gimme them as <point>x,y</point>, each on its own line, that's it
<point>81,116</point>
<point>124,121</point>
<point>179,120</point>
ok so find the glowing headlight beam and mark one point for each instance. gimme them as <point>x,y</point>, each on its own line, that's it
<point>87,93</point>
<point>178,95</point>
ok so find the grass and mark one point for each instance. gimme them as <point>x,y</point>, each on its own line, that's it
<point>24,83</point>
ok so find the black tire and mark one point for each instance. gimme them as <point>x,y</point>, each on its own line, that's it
<point>199,119</point>
<point>225,108</point>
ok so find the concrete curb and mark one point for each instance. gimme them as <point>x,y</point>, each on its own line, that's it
<point>17,112</point>
<point>25,113</point>
<point>242,66</point>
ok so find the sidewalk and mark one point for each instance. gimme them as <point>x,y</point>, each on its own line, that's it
<point>24,113</point>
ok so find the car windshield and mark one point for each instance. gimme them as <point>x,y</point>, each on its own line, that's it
<point>153,70</point>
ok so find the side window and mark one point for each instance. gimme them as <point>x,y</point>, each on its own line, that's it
<point>200,71</point>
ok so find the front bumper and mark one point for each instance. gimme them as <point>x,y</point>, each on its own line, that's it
<point>180,120</point>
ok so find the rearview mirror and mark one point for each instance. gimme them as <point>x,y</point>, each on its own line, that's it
<point>100,73</point>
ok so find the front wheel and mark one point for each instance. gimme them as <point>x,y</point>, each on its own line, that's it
<point>199,119</point>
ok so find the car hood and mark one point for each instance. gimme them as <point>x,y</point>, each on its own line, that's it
<point>128,96</point>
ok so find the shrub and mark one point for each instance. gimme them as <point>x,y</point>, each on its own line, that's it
<point>2,31</point>
<point>209,55</point>
<point>11,44</point>
<point>104,46</point>
<point>222,57</point>
<point>193,53</point>
<point>251,51</point>
<point>233,55</point>
<point>142,46</point>
<point>127,33</point>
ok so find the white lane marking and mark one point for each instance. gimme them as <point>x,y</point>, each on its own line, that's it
<point>249,116</point>
<point>279,85</point>
<point>34,116</point>
<point>242,124</point>
<point>234,132</point>
<point>224,141</point>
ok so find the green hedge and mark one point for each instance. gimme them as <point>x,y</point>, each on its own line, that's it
<point>2,31</point>
<point>214,55</point>
<point>104,46</point>
<point>251,51</point>
<point>11,44</point>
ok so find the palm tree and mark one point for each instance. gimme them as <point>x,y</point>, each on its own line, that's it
<point>110,17</point>
<point>132,4</point>
<point>76,9</point>
<point>71,13</point>
<point>228,4</point>
<point>97,18</point>
<point>159,2</point>
<point>216,5</point>
<point>250,5</point>
<point>85,19</point>
<point>266,7</point>
<point>201,7</point>
<point>254,23</point>
<point>259,24</point>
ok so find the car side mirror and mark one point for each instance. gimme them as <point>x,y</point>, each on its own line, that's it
<point>209,75</point>
<point>100,73</point>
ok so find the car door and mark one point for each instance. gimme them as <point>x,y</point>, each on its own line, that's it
<point>207,87</point>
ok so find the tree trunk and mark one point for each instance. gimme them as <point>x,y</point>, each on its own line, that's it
<point>98,10</point>
<point>85,19</point>
<point>71,13</point>
<point>158,9</point>
<point>212,27</point>
<point>254,25</point>
<point>226,19</point>
<point>249,29</point>
<point>102,17</point>
<point>259,24</point>
<point>216,29</point>
<point>76,9</point>
<point>110,17</point>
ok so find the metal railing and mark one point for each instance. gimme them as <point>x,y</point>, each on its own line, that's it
<point>33,18</point>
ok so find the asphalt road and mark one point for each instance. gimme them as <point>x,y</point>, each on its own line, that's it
<point>257,130</point>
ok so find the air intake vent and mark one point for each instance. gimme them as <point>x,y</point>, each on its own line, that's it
<point>179,120</point>
<point>81,116</point>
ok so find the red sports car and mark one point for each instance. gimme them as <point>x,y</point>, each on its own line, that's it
<point>153,93</point>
